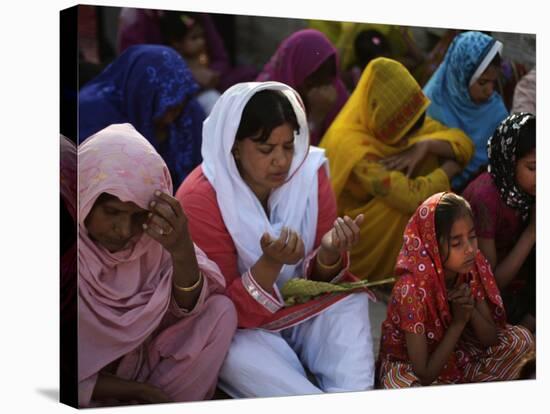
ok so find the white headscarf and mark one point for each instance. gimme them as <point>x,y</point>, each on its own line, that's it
<point>294,204</point>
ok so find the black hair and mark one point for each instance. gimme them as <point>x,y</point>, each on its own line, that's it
<point>450,208</point>
<point>496,61</point>
<point>264,112</point>
<point>321,76</point>
<point>527,138</point>
<point>368,45</point>
<point>173,27</point>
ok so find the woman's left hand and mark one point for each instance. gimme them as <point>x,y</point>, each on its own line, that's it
<point>167,223</point>
<point>343,235</point>
<point>407,160</point>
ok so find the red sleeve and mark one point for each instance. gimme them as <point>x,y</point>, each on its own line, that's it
<point>327,206</point>
<point>409,309</point>
<point>208,231</point>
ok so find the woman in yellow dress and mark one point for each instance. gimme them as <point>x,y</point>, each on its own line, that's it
<point>386,157</point>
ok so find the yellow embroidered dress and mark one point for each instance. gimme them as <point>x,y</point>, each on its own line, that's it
<point>371,126</point>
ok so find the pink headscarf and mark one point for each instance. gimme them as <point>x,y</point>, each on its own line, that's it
<point>123,295</point>
<point>297,57</point>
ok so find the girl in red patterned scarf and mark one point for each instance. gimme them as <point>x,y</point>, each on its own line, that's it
<point>446,322</point>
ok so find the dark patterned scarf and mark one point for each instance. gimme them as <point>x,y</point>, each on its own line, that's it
<point>502,149</point>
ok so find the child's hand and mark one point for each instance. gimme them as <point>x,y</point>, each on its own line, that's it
<point>167,223</point>
<point>462,304</point>
<point>287,249</point>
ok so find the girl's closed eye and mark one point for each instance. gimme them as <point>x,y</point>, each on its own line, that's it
<point>456,234</point>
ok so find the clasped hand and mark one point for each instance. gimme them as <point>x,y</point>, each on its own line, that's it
<point>462,303</point>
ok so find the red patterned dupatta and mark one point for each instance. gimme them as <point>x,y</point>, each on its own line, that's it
<point>419,298</point>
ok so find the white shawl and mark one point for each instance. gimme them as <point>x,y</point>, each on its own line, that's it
<point>294,204</point>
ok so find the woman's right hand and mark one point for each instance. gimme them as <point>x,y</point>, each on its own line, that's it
<point>462,304</point>
<point>287,249</point>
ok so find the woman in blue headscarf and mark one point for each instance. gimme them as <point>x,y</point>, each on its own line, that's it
<point>150,87</point>
<point>462,91</point>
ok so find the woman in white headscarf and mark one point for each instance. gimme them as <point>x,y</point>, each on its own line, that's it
<point>261,206</point>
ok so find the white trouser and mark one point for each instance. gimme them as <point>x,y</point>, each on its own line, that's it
<point>335,346</point>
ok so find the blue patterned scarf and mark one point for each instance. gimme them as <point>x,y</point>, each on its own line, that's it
<point>138,87</point>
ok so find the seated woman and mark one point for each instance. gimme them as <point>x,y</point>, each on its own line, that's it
<point>261,207</point>
<point>503,202</point>
<point>446,322</point>
<point>462,91</point>
<point>386,157</point>
<point>153,324</point>
<point>308,62</point>
<point>68,270</point>
<point>151,88</point>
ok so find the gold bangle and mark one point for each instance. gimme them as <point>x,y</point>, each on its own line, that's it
<point>329,267</point>
<point>190,288</point>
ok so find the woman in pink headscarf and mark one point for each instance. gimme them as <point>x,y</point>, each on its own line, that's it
<point>308,62</point>
<point>153,325</point>
<point>68,268</point>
